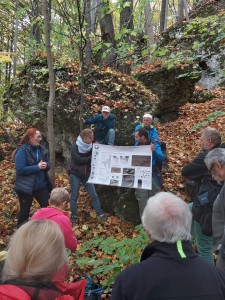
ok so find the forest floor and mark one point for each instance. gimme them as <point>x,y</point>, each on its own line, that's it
<point>181,137</point>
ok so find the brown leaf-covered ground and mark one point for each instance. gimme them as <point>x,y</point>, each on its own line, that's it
<point>182,145</point>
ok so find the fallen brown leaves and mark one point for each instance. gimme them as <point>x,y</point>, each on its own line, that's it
<point>182,145</point>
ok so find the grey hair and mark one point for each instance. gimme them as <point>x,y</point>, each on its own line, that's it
<point>58,196</point>
<point>167,218</point>
<point>36,252</point>
<point>213,134</point>
<point>214,155</point>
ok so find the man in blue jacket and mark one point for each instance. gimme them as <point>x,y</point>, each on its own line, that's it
<point>169,267</point>
<point>105,126</point>
<point>142,195</point>
<point>147,124</point>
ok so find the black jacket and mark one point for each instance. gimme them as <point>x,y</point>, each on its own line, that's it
<point>80,162</point>
<point>163,274</point>
<point>207,191</point>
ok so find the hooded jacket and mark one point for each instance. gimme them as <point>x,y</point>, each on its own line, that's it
<point>62,219</point>
<point>170,272</point>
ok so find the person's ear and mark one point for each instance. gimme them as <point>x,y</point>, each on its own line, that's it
<point>49,202</point>
<point>217,165</point>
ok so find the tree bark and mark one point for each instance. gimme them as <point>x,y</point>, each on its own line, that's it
<point>88,32</point>
<point>163,15</point>
<point>15,40</point>
<point>107,32</point>
<point>180,11</point>
<point>149,25</point>
<point>51,136</point>
<point>35,29</point>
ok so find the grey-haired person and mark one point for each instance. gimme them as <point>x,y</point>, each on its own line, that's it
<point>215,162</point>
<point>169,267</point>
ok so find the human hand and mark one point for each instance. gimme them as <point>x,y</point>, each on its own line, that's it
<point>152,147</point>
<point>42,165</point>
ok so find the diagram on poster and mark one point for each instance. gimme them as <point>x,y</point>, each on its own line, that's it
<point>125,166</point>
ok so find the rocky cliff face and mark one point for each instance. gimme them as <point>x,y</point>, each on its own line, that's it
<point>184,55</point>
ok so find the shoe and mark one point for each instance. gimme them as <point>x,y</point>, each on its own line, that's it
<point>103,218</point>
<point>74,220</point>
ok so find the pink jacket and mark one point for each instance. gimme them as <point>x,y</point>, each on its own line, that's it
<point>62,219</point>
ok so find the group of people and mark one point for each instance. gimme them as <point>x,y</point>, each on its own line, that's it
<point>36,261</point>
<point>207,181</point>
<point>32,165</point>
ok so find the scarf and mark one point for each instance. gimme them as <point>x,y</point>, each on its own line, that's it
<point>83,147</point>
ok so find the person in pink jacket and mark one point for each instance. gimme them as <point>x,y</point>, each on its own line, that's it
<point>57,212</point>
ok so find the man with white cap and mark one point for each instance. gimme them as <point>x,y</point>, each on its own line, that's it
<point>105,126</point>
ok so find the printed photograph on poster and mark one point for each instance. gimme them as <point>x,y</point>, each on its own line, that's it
<point>125,166</point>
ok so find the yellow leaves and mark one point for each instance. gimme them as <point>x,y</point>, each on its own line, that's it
<point>5,58</point>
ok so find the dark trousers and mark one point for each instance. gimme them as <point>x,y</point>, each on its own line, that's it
<point>42,197</point>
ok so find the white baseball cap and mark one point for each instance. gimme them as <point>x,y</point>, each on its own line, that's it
<point>106,109</point>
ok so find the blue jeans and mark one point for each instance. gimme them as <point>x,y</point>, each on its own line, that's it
<point>142,195</point>
<point>109,138</point>
<point>89,187</point>
<point>204,242</point>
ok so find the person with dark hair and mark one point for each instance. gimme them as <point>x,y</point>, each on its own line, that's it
<point>105,126</point>
<point>142,195</point>
<point>147,121</point>
<point>205,194</point>
<point>32,179</point>
<point>57,211</point>
<point>169,268</point>
<point>80,162</point>
<point>36,265</point>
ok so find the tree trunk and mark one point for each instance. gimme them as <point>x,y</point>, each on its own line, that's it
<point>126,21</point>
<point>35,29</point>
<point>107,32</point>
<point>163,15</point>
<point>149,25</point>
<point>180,11</point>
<point>15,40</point>
<point>126,15</point>
<point>51,136</point>
<point>88,32</point>
<point>93,13</point>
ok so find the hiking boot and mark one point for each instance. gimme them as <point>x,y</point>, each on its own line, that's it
<point>74,220</point>
<point>103,218</point>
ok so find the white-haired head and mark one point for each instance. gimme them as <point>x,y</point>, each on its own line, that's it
<point>147,116</point>
<point>167,218</point>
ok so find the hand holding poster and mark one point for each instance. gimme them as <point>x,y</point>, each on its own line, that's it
<point>126,166</point>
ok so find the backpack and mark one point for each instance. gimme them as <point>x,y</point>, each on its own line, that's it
<point>93,289</point>
<point>21,290</point>
<point>203,204</point>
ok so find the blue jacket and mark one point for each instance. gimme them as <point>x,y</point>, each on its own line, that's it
<point>157,159</point>
<point>29,177</point>
<point>102,125</point>
<point>152,132</point>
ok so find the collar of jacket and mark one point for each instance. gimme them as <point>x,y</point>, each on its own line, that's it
<point>166,250</point>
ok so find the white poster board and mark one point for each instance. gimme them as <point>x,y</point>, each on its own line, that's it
<point>126,166</point>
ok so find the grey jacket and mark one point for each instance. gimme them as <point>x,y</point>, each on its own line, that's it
<point>218,218</point>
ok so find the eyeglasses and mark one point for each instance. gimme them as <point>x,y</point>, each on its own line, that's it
<point>211,168</point>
